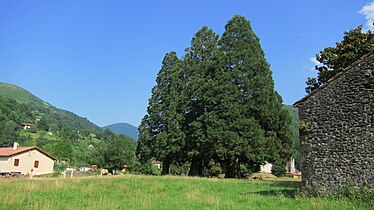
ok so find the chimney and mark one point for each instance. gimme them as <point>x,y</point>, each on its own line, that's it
<point>15,145</point>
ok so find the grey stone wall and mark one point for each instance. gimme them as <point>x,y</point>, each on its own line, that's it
<point>339,149</point>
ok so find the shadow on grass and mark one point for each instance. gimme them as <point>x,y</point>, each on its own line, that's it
<point>294,189</point>
<point>285,193</point>
<point>290,184</point>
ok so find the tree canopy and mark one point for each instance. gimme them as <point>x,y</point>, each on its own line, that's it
<point>355,44</point>
<point>216,109</point>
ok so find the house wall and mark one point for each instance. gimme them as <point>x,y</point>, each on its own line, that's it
<point>26,163</point>
<point>338,150</point>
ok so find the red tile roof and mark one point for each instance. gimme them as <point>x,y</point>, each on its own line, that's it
<point>8,151</point>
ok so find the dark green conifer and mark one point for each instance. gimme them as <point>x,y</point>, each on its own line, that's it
<point>200,68</point>
<point>216,107</point>
<point>256,122</point>
<point>161,131</point>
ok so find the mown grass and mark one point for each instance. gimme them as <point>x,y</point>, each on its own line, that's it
<point>146,192</point>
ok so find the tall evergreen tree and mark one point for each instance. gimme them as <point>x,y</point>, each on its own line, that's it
<point>217,106</point>
<point>161,131</point>
<point>257,125</point>
<point>200,68</point>
<point>145,145</point>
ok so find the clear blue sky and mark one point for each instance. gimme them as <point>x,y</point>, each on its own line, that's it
<point>99,59</point>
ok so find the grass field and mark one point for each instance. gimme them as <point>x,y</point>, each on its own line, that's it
<point>146,192</point>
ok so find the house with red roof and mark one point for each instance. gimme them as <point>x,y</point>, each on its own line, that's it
<point>25,160</point>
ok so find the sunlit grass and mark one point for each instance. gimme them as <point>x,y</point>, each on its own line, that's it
<point>147,192</point>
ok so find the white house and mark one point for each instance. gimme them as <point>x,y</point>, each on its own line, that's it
<point>25,160</point>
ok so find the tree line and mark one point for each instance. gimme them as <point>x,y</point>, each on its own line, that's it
<point>215,109</point>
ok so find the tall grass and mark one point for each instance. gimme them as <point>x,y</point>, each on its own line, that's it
<point>147,192</point>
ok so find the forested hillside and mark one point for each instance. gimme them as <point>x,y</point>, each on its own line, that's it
<point>45,114</point>
<point>61,133</point>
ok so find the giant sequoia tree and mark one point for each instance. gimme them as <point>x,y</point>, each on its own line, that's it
<point>217,106</point>
<point>200,69</point>
<point>257,123</point>
<point>161,133</point>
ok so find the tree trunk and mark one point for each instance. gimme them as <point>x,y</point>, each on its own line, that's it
<point>232,168</point>
<point>165,167</point>
<point>196,167</point>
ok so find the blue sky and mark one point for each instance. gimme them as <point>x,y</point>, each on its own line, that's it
<point>99,59</point>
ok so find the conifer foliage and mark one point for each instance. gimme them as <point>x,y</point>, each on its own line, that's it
<point>216,109</point>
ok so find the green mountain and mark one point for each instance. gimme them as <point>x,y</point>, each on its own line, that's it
<point>19,94</point>
<point>43,111</point>
<point>125,129</point>
<point>63,134</point>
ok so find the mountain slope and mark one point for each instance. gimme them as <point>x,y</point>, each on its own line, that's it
<point>43,110</point>
<point>19,94</point>
<point>125,129</point>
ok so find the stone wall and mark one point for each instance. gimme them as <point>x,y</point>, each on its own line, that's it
<point>339,149</point>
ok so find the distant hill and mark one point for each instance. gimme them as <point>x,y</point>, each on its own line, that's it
<point>125,129</point>
<point>41,109</point>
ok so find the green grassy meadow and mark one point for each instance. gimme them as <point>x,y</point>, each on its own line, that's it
<point>147,192</point>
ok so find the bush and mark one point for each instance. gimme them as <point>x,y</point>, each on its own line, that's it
<point>357,193</point>
<point>245,172</point>
<point>351,191</point>
<point>278,170</point>
<point>146,168</point>
<point>60,166</point>
<point>176,169</point>
<point>212,170</point>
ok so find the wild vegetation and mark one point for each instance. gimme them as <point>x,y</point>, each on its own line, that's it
<point>150,192</point>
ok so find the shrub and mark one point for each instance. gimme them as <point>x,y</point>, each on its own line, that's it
<point>351,191</point>
<point>176,169</point>
<point>245,172</point>
<point>278,170</point>
<point>146,168</point>
<point>213,169</point>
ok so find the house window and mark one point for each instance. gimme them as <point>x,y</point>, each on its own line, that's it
<point>16,162</point>
<point>36,164</point>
